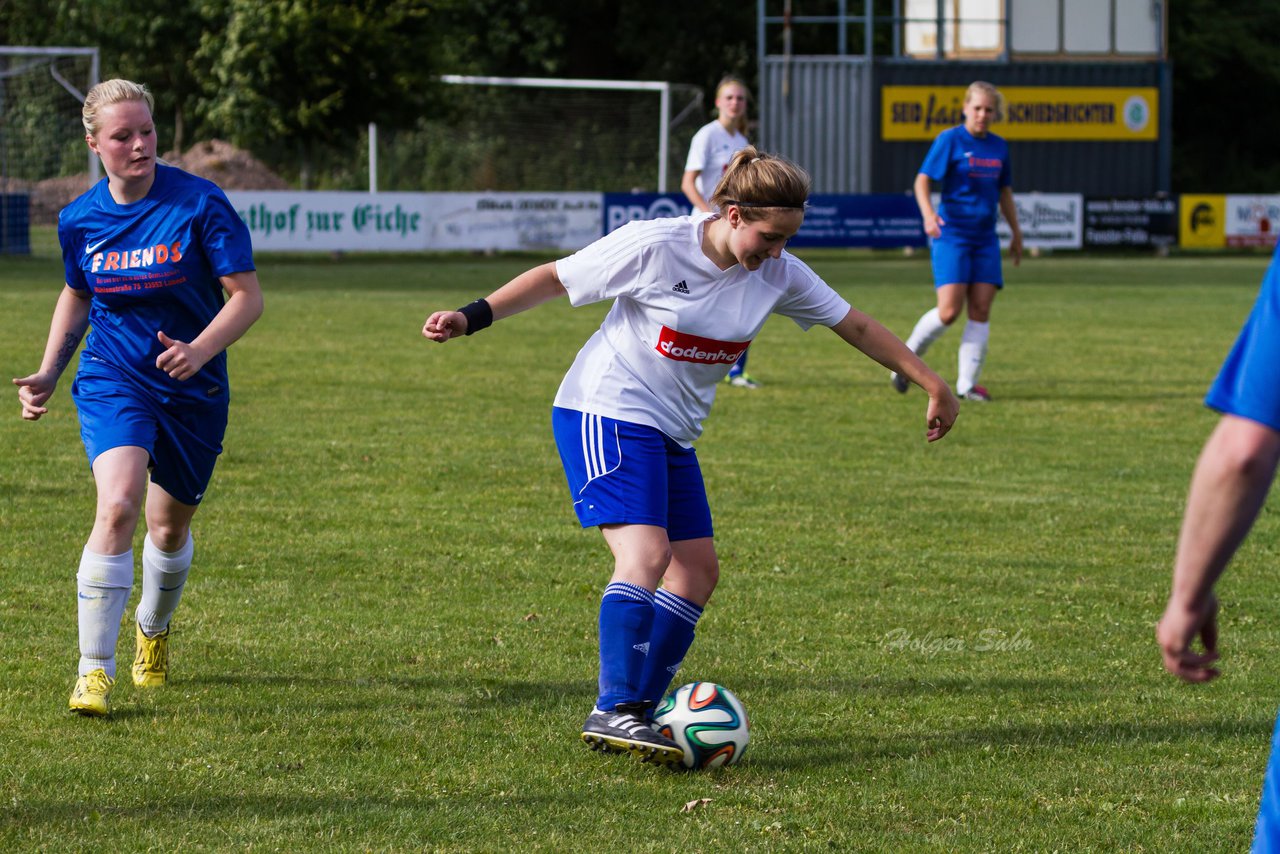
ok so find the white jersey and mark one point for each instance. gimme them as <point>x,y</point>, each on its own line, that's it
<point>678,322</point>
<point>709,154</point>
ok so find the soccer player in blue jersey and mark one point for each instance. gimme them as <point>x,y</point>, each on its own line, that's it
<point>689,294</point>
<point>149,253</point>
<point>972,165</point>
<point>1229,486</point>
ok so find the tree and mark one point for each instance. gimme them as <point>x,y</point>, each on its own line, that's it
<point>313,73</point>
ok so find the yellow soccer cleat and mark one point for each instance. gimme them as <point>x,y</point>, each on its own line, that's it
<point>92,694</point>
<point>151,664</point>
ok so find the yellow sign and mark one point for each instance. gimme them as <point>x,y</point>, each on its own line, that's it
<point>1111,114</point>
<point>1202,222</point>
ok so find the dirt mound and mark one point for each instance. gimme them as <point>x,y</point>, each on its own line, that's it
<point>229,167</point>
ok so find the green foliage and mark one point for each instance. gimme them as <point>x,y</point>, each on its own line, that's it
<point>388,639</point>
<point>310,73</point>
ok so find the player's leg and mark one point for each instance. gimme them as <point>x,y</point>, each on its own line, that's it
<point>166,561</point>
<point>678,606</point>
<point>950,262</point>
<point>184,455</point>
<point>738,375</point>
<point>105,575</point>
<point>986,277</point>
<point>616,474</point>
<point>973,343</point>
<point>690,578</point>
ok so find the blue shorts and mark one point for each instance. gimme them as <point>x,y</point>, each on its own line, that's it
<point>964,259</point>
<point>1266,832</point>
<point>1249,383</point>
<point>621,473</point>
<point>184,442</point>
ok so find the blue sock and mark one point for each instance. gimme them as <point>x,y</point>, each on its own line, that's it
<point>674,619</point>
<point>740,367</point>
<point>626,621</point>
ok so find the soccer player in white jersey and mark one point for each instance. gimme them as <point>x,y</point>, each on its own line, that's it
<point>710,151</point>
<point>161,267</point>
<point>689,294</point>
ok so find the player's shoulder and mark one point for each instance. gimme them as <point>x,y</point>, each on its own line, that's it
<point>182,181</point>
<point>656,232</point>
<point>82,204</point>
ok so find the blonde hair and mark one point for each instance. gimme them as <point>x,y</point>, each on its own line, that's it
<point>740,123</point>
<point>758,182</point>
<point>110,92</point>
<point>986,89</point>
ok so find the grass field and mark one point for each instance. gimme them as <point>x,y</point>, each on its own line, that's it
<point>388,639</point>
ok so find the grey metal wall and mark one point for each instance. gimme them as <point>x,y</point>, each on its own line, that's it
<point>1093,168</point>
<point>829,123</point>
<point>816,110</point>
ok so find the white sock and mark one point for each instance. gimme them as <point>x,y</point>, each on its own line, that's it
<point>164,574</point>
<point>973,352</point>
<point>102,590</point>
<point>929,328</point>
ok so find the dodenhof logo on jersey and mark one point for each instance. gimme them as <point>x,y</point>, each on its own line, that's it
<point>694,348</point>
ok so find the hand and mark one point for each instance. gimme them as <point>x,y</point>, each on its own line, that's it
<point>941,414</point>
<point>1177,631</point>
<point>180,360</point>
<point>33,391</point>
<point>443,325</point>
<point>1015,248</point>
<point>933,225</point>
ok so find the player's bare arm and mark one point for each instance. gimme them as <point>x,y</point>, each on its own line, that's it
<point>531,288</point>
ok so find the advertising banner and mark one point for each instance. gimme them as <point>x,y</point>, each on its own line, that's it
<point>873,221</point>
<point>880,221</point>
<point>1252,220</point>
<point>1111,222</point>
<point>1202,221</point>
<point>289,221</point>
<point>1048,221</point>
<point>1051,113</point>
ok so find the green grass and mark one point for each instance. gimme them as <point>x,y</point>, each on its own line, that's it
<point>388,641</point>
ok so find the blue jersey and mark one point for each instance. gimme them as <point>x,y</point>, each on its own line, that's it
<point>1248,385</point>
<point>154,266</point>
<point>972,170</point>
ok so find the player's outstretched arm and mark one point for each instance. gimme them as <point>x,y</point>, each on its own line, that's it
<point>877,342</point>
<point>529,289</point>
<point>70,321</point>
<point>1228,489</point>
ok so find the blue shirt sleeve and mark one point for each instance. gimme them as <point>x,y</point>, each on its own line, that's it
<point>224,236</point>
<point>68,240</point>
<point>939,157</point>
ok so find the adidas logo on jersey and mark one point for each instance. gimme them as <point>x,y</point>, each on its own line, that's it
<point>643,647</point>
<point>681,287</point>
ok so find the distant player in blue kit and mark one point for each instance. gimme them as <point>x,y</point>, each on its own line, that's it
<point>689,294</point>
<point>972,165</point>
<point>1229,487</point>
<point>148,252</point>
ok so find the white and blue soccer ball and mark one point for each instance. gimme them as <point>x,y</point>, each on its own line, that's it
<point>707,721</point>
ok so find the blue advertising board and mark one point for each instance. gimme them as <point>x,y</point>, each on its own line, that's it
<point>878,221</point>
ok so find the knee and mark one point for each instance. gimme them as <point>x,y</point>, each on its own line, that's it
<point>649,564</point>
<point>167,537</point>
<point>980,313</point>
<point>948,314</point>
<point>117,514</point>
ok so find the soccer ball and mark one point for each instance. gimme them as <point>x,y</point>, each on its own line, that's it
<point>707,721</point>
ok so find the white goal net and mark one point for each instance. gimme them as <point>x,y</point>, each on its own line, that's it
<point>42,150</point>
<point>534,134</point>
